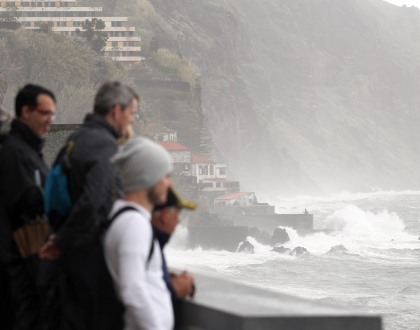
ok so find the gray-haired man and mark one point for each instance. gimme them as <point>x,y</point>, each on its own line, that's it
<point>93,185</point>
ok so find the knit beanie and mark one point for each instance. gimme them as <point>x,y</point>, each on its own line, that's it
<point>141,164</point>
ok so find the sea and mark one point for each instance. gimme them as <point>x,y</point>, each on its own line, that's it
<point>375,269</point>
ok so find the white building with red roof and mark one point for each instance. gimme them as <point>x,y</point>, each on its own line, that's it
<point>212,176</point>
<point>181,156</point>
<point>159,132</point>
<point>204,168</point>
<point>236,199</point>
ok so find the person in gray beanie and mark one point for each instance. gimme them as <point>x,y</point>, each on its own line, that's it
<point>131,251</point>
<point>141,164</point>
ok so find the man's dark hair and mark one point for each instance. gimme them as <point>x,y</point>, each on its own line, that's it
<point>111,94</point>
<point>28,96</point>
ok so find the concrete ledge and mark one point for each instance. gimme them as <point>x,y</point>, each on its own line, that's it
<point>221,305</point>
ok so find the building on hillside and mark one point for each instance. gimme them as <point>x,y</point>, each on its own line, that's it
<point>204,168</point>
<point>181,156</point>
<point>212,177</point>
<point>64,17</point>
<point>236,199</point>
<point>161,133</point>
<point>225,186</point>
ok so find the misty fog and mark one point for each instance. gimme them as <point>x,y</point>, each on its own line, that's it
<point>310,105</point>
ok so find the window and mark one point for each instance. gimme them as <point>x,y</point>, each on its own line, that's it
<point>115,44</point>
<point>116,24</point>
<point>222,171</point>
<point>211,170</point>
<point>218,185</point>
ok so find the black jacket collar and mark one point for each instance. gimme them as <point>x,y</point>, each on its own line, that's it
<point>92,120</point>
<point>163,238</point>
<point>22,130</point>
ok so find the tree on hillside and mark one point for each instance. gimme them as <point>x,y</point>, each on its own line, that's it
<point>74,70</point>
<point>153,45</point>
<point>8,68</point>
<point>93,32</point>
<point>206,138</point>
<point>10,15</point>
<point>45,27</point>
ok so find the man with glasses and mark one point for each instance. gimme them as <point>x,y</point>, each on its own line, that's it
<point>93,186</point>
<point>22,174</point>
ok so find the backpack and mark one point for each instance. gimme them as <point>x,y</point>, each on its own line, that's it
<point>57,198</point>
<point>109,310</point>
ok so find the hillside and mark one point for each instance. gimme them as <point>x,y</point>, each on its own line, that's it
<point>306,96</point>
<point>68,67</point>
<point>302,96</point>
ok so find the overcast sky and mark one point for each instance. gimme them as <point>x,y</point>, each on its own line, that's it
<point>405,2</point>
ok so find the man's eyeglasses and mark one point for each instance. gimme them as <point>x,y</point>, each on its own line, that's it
<point>46,113</point>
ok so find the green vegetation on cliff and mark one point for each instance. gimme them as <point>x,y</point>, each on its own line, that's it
<point>68,67</point>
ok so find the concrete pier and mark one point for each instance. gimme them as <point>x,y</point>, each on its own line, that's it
<point>220,304</point>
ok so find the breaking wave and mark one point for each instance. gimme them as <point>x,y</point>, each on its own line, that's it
<point>357,230</point>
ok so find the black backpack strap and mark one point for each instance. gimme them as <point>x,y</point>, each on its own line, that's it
<point>116,215</point>
<point>119,212</point>
<point>152,248</point>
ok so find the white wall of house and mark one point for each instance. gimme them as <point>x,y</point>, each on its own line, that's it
<point>246,200</point>
<point>209,171</point>
<point>228,185</point>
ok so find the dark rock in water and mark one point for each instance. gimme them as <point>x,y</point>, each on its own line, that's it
<point>298,251</point>
<point>280,236</point>
<point>281,249</point>
<point>246,247</point>
<point>261,236</point>
<point>338,249</point>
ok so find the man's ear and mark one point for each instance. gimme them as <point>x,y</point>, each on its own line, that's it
<point>164,215</point>
<point>115,112</point>
<point>26,111</point>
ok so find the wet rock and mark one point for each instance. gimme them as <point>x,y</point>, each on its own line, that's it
<point>281,249</point>
<point>338,249</point>
<point>298,251</point>
<point>246,247</point>
<point>280,236</point>
<point>261,236</point>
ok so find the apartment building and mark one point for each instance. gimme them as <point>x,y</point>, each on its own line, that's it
<point>65,17</point>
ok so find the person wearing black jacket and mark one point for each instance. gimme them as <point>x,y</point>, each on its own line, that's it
<point>165,218</point>
<point>93,185</point>
<point>22,173</point>
<point>6,311</point>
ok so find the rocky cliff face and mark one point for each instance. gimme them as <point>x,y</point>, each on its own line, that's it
<point>306,96</point>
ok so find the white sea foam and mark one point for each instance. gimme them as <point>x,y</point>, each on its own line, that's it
<point>322,204</point>
<point>358,231</point>
<point>379,271</point>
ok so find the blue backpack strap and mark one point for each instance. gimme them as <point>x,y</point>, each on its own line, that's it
<point>117,214</point>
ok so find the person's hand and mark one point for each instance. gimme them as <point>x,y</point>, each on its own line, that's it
<point>183,284</point>
<point>49,251</point>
